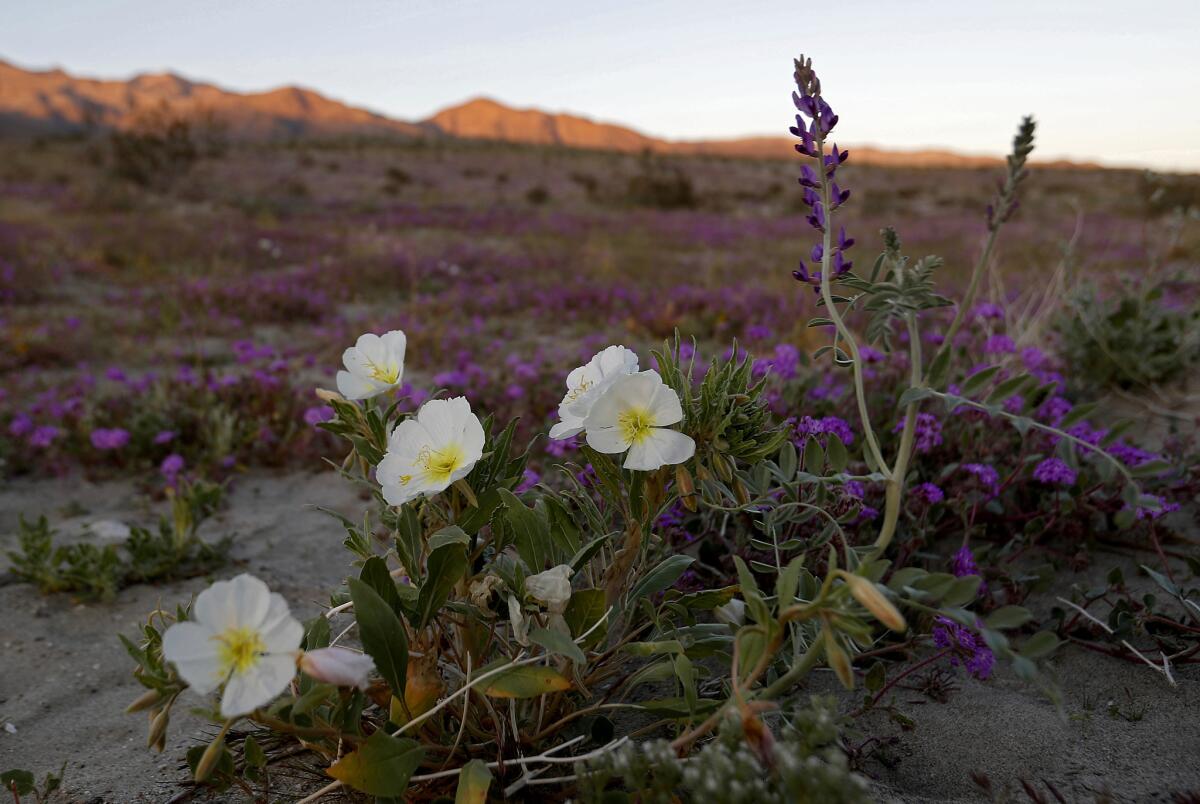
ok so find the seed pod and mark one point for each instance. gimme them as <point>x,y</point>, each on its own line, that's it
<point>739,491</point>
<point>722,467</point>
<point>687,489</point>
<point>212,755</point>
<point>157,735</point>
<point>146,700</point>
<point>868,594</point>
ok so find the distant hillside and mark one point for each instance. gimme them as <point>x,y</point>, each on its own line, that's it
<point>56,102</point>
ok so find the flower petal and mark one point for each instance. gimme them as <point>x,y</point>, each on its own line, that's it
<point>280,631</point>
<point>259,685</point>
<point>354,386</point>
<point>607,439</point>
<point>665,407</point>
<point>191,648</point>
<point>238,603</point>
<point>660,447</point>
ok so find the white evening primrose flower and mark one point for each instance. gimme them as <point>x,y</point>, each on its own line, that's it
<point>240,635</point>
<point>586,383</point>
<point>552,587</point>
<point>430,451</point>
<point>338,666</point>
<point>633,414</point>
<point>374,364</point>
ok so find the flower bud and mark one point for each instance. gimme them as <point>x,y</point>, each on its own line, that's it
<point>868,594</point>
<point>732,613</point>
<point>338,666</point>
<point>687,489</point>
<point>146,700</point>
<point>838,660</point>
<point>157,735</point>
<point>325,395</point>
<point>212,755</point>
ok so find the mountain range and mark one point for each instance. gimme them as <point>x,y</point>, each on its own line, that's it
<point>48,102</point>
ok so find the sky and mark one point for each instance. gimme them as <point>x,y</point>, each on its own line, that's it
<point>1112,82</point>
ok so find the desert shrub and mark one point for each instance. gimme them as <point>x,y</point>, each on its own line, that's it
<point>1165,192</point>
<point>161,147</point>
<point>537,195</point>
<point>660,185</point>
<point>1140,334</point>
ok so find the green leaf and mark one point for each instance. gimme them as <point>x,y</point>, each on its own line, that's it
<point>20,782</point>
<point>313,698</point>
<point>584,610</point>
<point>661,577</point>
<point>408,540</point>
<point>978,380</point>
<point>962,590</point>
<point>1009,617</point>
<point>1163,581</point>
<point>381,766</point>
<point>581,558</point>
<point>446,567</point>
<point>814,457</point>
<point>911,395</point>
<point>558,643</point>
<point>1040,644</point>
<point>375,574</point>
<point>788,581</point>
<point>527,681</point>
<point>531,533</point>
<point>788,461</point>
<point>836,453</point>
<point>252,751</point>
<point>745,577</point>
<point>473,782</point>
<point>382,634</point>
<point>1008,388</point>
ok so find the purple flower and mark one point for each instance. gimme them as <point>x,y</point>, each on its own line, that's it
<point>164,437</point>
<point>20,425</point>
<point>170,468</point>
<point>999,345</point>
<point>1054,472</point>
<point>963,563</point>
<point>317,414</point>
<point>529,479</point>
<point>44,436</point>
<point>928,431</point>
<point>827,425</point>
<point>930,493</point>
<point>109,438</point>
<point>968,649</point>
<point>1161,506</point>
<point>986,475</point>
<point>988,310</point>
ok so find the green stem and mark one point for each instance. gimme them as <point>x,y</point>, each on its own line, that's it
<point>836,317</point>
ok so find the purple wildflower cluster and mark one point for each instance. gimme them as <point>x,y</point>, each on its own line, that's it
<point>928,432</point>
<point>821,121</point>
<point>1054,472</point>
<point>821,428</point>
<point>968,649</point>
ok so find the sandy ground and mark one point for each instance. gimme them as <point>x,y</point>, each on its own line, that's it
<point>65,678</point>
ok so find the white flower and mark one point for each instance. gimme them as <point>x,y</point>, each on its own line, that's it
<point>552,587</point>
<point>585,385</point>
<point>374,364</point>
<point>241,635</point>
<point>632,414</point>
<point>339,666</point>
<point>732,613</point>
<point>427,453</point>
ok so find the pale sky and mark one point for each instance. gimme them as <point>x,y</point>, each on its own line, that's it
<point>1115,82</point>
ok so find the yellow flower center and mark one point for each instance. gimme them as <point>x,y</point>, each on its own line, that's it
<point>239,650</point>
<point>579,390</point>
<point>440,465</point>
<point>386,374</point>
<point>635,424</point>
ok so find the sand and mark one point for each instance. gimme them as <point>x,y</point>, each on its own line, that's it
<point>65,678</point>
